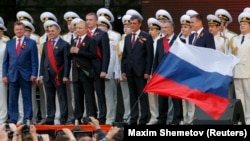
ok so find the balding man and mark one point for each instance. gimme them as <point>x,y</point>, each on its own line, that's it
<point>82,54</point>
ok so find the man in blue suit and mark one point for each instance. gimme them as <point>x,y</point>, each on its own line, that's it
<point>136,65</point>
<point>201,37</point>
<point>20,67</point>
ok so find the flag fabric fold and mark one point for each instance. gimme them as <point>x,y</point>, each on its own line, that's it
<point>200,75</point>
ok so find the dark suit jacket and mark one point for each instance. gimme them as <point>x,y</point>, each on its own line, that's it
<point>26,63</point>
<point>205,39</point>
<point>61,54</point>
<point>159,53</point>
<point>102,41</point>
<point>140,57</point>
<point>87,53</point>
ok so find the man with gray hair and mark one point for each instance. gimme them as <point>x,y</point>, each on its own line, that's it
<point>54,71</point>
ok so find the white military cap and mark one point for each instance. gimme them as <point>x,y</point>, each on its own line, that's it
<point>1,20</point>
<point>185,19</point>
<point>47,16</point>
<point>126,19</point>
<point>244,17</point>
<point>105,13</point>
<point>133,12</point>
<point>104,22</point>
<point>224,15</point>
<point>28,25</point>
<point>213,20</point>
<point>154,23</point>
<point>75,21</point>
<point>70,15</point>
<point>191,12</point>
<point>2,27</point>
<point>162,14</point>
<point>23,15</point>
<point>247,9</point>
<point>50,23</point>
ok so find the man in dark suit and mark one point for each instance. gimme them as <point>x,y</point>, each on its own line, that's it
<point>136,64</point>
<point>201,37</point>
<point>20,67</point>
<point>100,64</point>
<point>82,54</point>
<point>166,113</point>
<point>54,70</point>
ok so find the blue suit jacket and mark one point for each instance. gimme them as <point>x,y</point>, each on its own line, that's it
<point>61,50</point>
<point>26,63</point>
<point>205,39</point>
<point>140,57</point>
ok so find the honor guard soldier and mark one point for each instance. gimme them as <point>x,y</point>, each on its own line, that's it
<point>154,27</point>
<point>123,82</point>
<point>191,12</point>
<point>3,29</point>
<point>162,16</point>
<point>240,46</point>
<point>214,26</point>
<point>105,18</point>
<point>187,106</point>
<point>185,28</point>
<point>3,86</point>
<point>133,12</point>
<point>3,38</point>
<point>45,16</point>
<point>24,16</point>
<point>226,19</point>
<point>247,9</point>
<point>68,17</point>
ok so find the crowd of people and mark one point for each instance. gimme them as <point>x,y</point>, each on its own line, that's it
<point>76,74</point>
<point>28,132</point>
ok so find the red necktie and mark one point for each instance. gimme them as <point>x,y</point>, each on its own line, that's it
<point>79,43</point>
<point>133,40</point>
<point>195,37</point>
<point>18,48</point>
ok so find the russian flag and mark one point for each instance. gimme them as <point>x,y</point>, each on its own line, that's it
<point>200,75</point>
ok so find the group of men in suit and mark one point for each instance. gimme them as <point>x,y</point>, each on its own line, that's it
<point>77,73</point>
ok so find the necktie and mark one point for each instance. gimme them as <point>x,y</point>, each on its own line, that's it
<point>195,38</point>
<point>79,43</point>
<point>18,48</point>
<point>242,40</point>
<point>133,40</point>
<point>53,43</point>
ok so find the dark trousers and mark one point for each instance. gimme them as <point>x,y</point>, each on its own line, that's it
<point>14,88</point>
<point>51,89</point>
<point>99,85</point>
<point>83,88</point>
<point>137,96</point>
<point>163,109</point>
<point>178,112</point>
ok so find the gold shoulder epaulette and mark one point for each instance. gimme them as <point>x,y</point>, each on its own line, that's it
<point>234,49</point>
